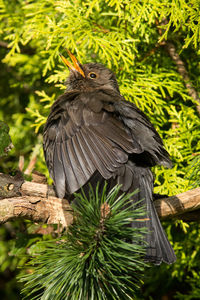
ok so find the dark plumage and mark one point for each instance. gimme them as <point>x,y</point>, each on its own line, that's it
<point>92,134</point>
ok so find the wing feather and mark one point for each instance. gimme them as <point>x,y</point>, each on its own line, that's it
<point>103,151</point>
<point>80,140</point>
<point>116,153</point>
<point>81,158</point>
<point>71,179</point>
<point>144,133</point>
<point>95,154</point>
<point>58,172</point>
<point>89,165</point>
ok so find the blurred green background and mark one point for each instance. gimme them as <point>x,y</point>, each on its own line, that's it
<point>131,38</point>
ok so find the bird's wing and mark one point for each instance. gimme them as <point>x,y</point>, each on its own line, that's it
<point>95,131</point>
<point>142,131</point>
<point>81,137</point>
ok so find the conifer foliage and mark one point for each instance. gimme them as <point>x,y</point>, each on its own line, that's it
<point>153,48</point>
<point>95,261</point>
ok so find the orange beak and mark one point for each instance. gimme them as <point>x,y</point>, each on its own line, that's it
<point>75,66</point>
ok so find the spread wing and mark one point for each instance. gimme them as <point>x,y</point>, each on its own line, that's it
<point>94,131</point>
<point>144,133</point>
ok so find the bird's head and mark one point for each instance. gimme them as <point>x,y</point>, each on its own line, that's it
<point>89,76</point>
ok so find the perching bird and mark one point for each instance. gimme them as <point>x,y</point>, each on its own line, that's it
<point>92,134</point>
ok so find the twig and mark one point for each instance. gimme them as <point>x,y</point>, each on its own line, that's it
<point>152,51</point>
<point>3,44</point>
<point>183,72</point>
<point>181,68</point>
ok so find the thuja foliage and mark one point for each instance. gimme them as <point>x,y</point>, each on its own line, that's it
<point>130,37</point>
<point>120,34</point>
<point>194,171</point>
<point>5,141</point>
<point>95,259</point>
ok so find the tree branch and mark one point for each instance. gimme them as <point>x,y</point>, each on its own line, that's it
<point>33,201</point>
<point>185,206</point>
<point>37,202</point>
<point>181,68</point>
<point>183,72</point>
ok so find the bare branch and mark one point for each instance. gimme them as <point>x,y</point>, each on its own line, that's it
<point>36,202</point>
<point>180,206</point>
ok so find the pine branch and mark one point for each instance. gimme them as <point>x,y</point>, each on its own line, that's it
<point>94,259</point>
<point>37,202</point>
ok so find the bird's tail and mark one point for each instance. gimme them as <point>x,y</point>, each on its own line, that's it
<point>132,177</point>
<point>159,248</point>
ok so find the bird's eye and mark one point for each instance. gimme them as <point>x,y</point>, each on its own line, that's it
<point>92,75</point>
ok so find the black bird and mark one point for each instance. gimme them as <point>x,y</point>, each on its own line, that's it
<point>92,134</point>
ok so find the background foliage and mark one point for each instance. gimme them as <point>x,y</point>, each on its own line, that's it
<point>130,37</point>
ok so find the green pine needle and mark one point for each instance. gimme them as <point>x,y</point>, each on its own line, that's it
<point>93,261</point>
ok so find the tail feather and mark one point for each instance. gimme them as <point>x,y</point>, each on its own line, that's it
<point>164,251</point>
<point>159,248</point>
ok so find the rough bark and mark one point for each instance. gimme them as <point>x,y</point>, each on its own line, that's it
<point>37,202</point>
<point>33,201</point>
<point>184,206</point>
